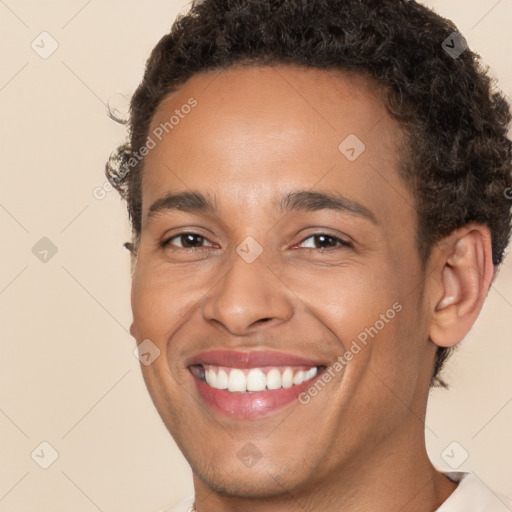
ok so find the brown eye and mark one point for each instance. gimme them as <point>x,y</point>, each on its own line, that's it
<point>326,241</point>
<point>188,240</point>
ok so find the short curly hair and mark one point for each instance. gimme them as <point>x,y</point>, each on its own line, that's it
<point>457,157</point>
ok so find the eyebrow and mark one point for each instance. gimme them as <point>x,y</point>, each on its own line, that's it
<point>307,201</point>
<point>193,202</point>
<point>301,200</point>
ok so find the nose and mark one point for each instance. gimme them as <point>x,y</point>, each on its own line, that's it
<point>249,295</point>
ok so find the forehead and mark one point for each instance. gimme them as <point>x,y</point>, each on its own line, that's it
<point>268,129</point>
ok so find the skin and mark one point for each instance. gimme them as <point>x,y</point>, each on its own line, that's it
<point>256,133</point>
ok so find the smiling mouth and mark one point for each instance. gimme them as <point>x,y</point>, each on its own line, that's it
<point>252,380</point>
<point>251,385</point>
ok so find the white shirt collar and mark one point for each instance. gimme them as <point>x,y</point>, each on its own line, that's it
<point>472,495</point>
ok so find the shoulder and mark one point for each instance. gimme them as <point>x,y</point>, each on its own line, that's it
<point>473,495</point>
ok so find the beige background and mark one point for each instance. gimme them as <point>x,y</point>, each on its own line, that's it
<point>67,372</point>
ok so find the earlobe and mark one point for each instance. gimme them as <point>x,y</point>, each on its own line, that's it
<point>464,280</point>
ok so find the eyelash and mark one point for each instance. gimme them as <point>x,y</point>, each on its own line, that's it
<point>166,243</point>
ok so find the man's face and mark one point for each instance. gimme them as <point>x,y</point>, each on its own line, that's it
<point>273,288</point>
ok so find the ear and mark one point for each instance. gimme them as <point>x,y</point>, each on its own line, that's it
<point>463,275</point>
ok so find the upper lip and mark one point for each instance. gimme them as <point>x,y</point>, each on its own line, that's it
<point>250,359</point>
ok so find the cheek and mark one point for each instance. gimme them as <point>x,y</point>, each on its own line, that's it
<point>371,317</point>
<point>397,353</point>
<point>163,300</point>
<point>152,304</point>
<point>347,300</point>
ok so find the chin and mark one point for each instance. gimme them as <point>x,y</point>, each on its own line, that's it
<point>249,484</point>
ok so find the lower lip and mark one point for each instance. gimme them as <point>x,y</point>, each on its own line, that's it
<point>251,405</point>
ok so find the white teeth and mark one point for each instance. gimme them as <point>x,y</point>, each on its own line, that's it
<point>287,378</point>
<point>211,378</point>
<point>256,380</point>
<point>274,379</point>
<point>298,378</point>
<point>311,373</point>
<point>238,380</point>
<point>222,380</point>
